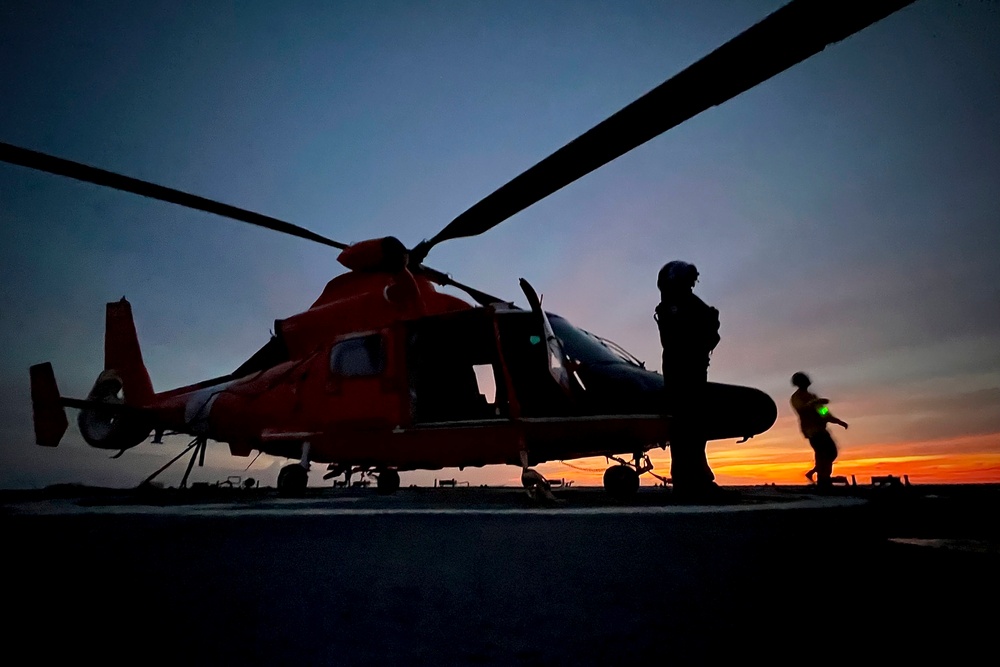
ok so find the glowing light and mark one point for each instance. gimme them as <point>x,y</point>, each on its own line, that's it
<point>823,410</point>
<point>535,340</point>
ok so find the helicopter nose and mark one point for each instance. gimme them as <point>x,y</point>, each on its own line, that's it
<point>738,412</point>
<point>762,411</point>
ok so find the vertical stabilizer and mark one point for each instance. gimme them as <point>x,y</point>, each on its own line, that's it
<point>122,354</point>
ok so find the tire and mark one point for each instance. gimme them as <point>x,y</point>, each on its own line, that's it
<point>621,482</point>
<point>388,482</point>
<point>292,480</point>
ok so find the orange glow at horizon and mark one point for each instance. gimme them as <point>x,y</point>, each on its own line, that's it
<point>961,460</point>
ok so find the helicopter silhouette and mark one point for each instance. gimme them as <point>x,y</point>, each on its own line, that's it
<point>384,373</point>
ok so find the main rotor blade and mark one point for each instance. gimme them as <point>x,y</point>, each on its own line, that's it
<point>88,174</point>
<point>793,33</point>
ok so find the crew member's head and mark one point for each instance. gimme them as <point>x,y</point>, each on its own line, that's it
<point>677,275</point>
<point>801,380</point>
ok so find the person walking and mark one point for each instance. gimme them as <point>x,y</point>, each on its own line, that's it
<point>814,415</point>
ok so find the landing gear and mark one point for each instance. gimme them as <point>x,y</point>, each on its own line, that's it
<point>199,444</point>
<point>294,477</point>
<point>539,489</point>
<point>388,482</point>
<point>292,480</point>
<point>621,481</point>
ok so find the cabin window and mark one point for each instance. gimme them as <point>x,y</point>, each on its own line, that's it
<point>487,382</point>
<point>358,357</point>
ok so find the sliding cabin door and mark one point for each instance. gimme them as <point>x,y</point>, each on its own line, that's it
<point>359,386</point>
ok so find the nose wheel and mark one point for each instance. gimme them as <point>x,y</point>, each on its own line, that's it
<point>622,481</point>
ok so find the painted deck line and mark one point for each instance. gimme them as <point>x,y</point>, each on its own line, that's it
<point>348,507</point>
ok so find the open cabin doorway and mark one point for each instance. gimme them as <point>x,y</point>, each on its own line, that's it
<point>454,369</point>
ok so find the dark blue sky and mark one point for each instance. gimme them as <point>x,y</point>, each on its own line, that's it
<point>845,215</point>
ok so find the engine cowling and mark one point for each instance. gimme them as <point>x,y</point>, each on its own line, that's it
<point>111,428</point>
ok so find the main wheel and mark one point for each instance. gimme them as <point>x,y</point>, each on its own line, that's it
<point>621,481</point>
<point>292,480</point>
<point>388,482</point>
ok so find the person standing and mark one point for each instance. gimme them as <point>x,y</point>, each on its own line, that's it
<point>814,415</point>
<point>689,332</point>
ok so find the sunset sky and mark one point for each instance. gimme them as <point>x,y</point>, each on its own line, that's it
<point>844,215</point>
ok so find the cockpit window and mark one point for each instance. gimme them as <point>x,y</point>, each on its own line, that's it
<point>588,348</point>
<point>358,357</point>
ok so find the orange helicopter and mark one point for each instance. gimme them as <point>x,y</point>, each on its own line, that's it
<point>384,373</point>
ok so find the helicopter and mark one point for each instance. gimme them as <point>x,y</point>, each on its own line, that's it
<point>384,373</point>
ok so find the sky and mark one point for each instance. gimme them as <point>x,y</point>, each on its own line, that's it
<point>844,215</point>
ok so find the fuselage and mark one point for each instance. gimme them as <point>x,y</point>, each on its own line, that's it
<point>439,383</point>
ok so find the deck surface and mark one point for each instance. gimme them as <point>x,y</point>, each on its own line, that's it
<point>481,576</point>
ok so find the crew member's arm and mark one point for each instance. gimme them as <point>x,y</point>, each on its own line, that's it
<point>828,416</point>
<point>820,406</point>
